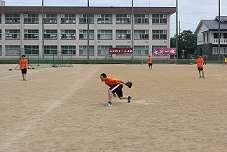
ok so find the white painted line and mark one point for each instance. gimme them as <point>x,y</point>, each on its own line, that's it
<point>33,122</point>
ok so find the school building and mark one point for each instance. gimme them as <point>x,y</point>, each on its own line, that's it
<point>65,31</point>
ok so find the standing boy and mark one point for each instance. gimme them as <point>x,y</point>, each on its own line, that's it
<point>23,65</point>
<point>150,63</point>
<point>115,87</point>
<point>200,62</point>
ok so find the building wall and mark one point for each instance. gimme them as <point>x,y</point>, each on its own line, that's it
<point>149,43</point>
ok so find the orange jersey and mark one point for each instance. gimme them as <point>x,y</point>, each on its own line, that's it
<point>23,63</point>
<point>111,81</point>
<point>200,62</point>
<point>149,60</point>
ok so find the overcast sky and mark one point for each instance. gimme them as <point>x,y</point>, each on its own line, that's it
<point>190,12</point>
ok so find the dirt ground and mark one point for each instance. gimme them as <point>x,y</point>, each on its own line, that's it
<point>62,109</point>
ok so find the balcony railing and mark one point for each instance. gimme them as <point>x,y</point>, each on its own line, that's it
<point>222,41</point>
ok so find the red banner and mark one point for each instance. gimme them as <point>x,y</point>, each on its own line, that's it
<point>120,50</point>
<point>164,51</point>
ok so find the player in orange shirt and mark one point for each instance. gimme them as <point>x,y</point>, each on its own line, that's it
<point>150,63</point>
<point>23,65</point>
<point>115,87</point>
<point>200,62</point>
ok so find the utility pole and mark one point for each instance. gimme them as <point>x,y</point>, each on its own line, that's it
<point>132,35</point>
<point>177,29</point>
<point>88,32</point>
<point>219,34</point>
<point>43,32</point>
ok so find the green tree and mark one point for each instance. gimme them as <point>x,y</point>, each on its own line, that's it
<point>187,43</point>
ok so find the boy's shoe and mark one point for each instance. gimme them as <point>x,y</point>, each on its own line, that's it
<point>129,99</point>
<point>108,104</point>
<point>200,77</point>
<point>203,77</point>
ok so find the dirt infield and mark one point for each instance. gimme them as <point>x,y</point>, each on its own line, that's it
<point>61,109</point>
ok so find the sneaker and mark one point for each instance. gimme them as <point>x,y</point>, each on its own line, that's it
<point>129,99</point>
<point>25,80</point>
<point>203,77</point>
<point>200,77</point>
<point>108,104</point>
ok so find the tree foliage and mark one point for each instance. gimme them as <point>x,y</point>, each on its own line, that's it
<point>187,43</point>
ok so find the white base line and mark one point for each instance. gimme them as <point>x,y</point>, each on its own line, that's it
<point>32,123</point>
<point>28,73</point>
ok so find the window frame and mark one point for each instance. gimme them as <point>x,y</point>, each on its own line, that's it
<point>69,34</point>
<point>83,33</point>
<point>34,35</point>
<point>53,34</point>
<point>50,19</point>
<point>16,49</point>
<point>123,19</point>
<point>159,18</point>
<point>13,34</point>
<point>103,35</point>
<point>68,18</point>
<point>104,19</point>
<point>33,49</point>
<point>33,17</point>
<point>123,34</point>
<point>158,34</point>
<point>12,17</point>
<point>67,49</point>
<point>49,49</point>
<point>143,35</point>
<point>141,18</point>
<point>83,19</point>
<point>83,50</point>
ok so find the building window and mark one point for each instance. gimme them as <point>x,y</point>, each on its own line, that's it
<point>0,50</point>
<point>141,18</point>
<point>141,50</point>
<point>50,34</point>
<point>215,50</point>
<point>216,35</point>
<point>83,34</point>
<point>68,34</point>
<point>50,18</point>
<point>141,34</point>
<point>104,50</point>
<point>31,18</point>
<point>68,18</point>
<point>31,34</point>
<point>83,18</point>
<point>207,37</point>
<point>12,34</point>
<point>123,34</point>
<point>123,46</point>
<point>83,50</point>
<point>123,19</point>
<point>31,49</point>
<point>104,34</point>
<point>0,19</point>
<point>156,47</point>
<point>225,35</point>
<point>104,18</point>
<point>159,34</point>
<point>0,34</point>
<point>12,49</point>
<point>68,50</point>
<point>12,18</point>
<point>204,38</point>
<point>225,50</point>
<point>50,49</point>
<point>159,19</point>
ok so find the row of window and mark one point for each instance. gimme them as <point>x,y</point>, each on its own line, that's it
<point>83,18</point>
<point>83,34</point>
<point>223,50</point>
<point>206,36</point>
<point>71,50</point>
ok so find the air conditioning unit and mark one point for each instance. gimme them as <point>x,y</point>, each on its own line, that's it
<point>7,47</point>
<point>146,47</point>
<point>62,15</point>
<point>128,31</point>
<point>146,32</point>
<point>99,31</point>
<point>62,31</point>
<point>99,47</point>
<point>26,31</point>
<point>7,31</point>
<point>81,15</point>
<point>44,31</point>
<point>81,47</point>
<point>44,15</point>
<point>99,16</point>
<point>25,15</point>
<point>81,31</point>
<point>128,16</point>
<point>164,16</point>
<point>146,16</point>
<point>164,32</point>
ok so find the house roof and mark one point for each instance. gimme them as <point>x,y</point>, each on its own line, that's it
<point>213,25</point>
<point>56,9</point>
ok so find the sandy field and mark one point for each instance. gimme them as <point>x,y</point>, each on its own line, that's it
<point>62,109</point>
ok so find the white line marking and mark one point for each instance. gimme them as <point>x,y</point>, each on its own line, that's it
<point>33,122</point>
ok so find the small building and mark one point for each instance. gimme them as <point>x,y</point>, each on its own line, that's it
<point>207,38</point>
